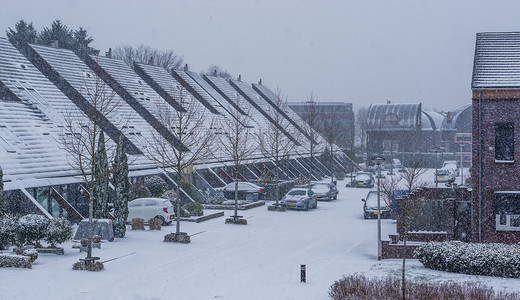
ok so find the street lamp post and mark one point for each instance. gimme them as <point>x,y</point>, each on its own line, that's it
<point>461,166</point>
<point>378,160</point>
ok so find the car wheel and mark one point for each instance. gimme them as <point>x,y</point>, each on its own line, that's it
<point>163,221</point>
<point>365,215</point>
<point>306,206</point>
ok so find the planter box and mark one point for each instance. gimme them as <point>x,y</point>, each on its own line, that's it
<point>203,218</point>
<point>57,250</point>
<point>231,207</point>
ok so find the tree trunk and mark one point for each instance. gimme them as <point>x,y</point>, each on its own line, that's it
<point>403,271</point>
<point>90,213</point>
<point>236,193</point>
<point>178,204</point>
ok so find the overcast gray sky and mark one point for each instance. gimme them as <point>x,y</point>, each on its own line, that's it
<point>354,51</point>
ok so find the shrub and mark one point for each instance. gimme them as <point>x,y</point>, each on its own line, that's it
<point>194,208</point>
<point>8,230</point>
<point>155,224</point>
<point>31,229</point>
<point>97,266</point>
<point>58,231</point>
<point>360,287</point>
<point>137,224</point>
<point>139,190</point>
<point>156,185</point>
<point>339,175</point>
<point>475,259</point>
<point>14,261</point>
<point>28,251</point>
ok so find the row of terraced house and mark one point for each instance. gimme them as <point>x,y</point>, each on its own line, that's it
<point>40,86</point>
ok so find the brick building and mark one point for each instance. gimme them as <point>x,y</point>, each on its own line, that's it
<point>495,115</point>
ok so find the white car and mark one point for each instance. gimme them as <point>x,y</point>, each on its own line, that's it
<point>147,208</point>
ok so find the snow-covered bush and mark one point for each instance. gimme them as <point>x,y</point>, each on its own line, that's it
<point>58,231</point>
<point>156,185</point>
<point>475,259</point>
<point>138,190</point>
<point>14,261</point>
<point>218,198</point>
<point>8,230</point>
<point>194,208</point>
<point>28,251</point>
<point>31,229</point>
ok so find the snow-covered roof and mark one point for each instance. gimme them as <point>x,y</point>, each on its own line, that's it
<point>497,61</point>
<point>394,116</point>
<point>257,101</point>
<point>431,120</point>
<point>450,122</point>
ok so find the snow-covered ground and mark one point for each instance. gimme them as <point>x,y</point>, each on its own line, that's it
<point>258,261</point>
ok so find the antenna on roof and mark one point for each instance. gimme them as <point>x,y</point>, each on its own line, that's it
<point>239,78</point>
<point>109,53</point>
<point>260,81</point>
<point>186,67</point>
<point>150,61</point>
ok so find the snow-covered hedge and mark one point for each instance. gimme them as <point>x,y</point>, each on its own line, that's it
<point>475,259</point>
<point>7,230</point>
<point>59,230</point>
<point>31,229</point>
<point>14,261</point>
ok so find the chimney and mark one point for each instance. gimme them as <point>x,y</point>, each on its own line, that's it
<point>186,67</point>
<point>150,61</point>
<point>215,72</point>
<point>55,44</point>
<point>239,78</point>
<point>388,102</point>
<point>260,81</point>
<point>109,53</point>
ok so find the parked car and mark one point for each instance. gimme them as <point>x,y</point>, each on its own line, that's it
<point>363,180</point>
<point>147,208</point>
<point>246,191</point>
<point>300,198</point>
<point>444,175</point>
<point>325,191</point>
<point>370,206</point>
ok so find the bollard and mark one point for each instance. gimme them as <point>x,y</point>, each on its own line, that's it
<point>302,273</point>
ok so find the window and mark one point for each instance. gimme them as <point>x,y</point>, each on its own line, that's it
<point>507,211</point>
<point>504,142</point>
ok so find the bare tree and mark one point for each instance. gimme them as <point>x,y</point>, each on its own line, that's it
<point>274,143</point>
<point>361,131</point>
<point>312,143</point>
<point>192,127</point>
<point>147,55</point>
<point>82,135</point>
<point>333,133</point>
<point>410,208</point>
<point>236,141</point>
<point>217,71</point>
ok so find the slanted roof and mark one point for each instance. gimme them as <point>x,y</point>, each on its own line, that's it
<point>394,116</point>
<point>431,120</point>
<point>452,118</point>
<point>497,61</point>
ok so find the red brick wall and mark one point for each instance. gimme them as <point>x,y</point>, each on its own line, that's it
<point>495,176</point>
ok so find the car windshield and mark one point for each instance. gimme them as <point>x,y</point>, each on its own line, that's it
<point>441,172</point>
<point>372,200</point>
<point>362,177</point>
<point>297,193</point>
<point>320,187</point>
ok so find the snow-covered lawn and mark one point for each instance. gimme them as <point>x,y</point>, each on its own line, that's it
<point>258,261</point>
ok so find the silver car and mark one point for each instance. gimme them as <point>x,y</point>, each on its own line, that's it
<point>325,191</point>
<point>300,198</point>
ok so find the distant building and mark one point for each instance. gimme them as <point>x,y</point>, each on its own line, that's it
<point>340,112</point>
<point>404,130</point>
<point>496,168</point>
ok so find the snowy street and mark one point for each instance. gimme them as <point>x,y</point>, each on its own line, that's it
<point>258,261</point>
